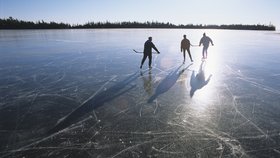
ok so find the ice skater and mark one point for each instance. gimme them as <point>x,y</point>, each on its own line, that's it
<point>205,40</point>
<point>148,52</point>
<point>185,45</point>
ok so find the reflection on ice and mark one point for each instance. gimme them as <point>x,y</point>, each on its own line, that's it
<point>199,80</point>
<point>147,82</point>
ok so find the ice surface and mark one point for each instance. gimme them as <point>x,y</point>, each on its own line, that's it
<point>80,93</point>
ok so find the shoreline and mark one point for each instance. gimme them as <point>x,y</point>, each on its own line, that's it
<point>136,28</point>
<point>13,24</point>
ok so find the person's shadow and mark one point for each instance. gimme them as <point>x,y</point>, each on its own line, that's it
<point>198,81</point>
<point>168,82</point>
<point>95,101</point>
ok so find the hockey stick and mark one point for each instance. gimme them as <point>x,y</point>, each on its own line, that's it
<point>142,52</point>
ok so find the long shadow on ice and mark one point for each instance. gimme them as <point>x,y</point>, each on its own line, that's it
<point>198,81</point>
<point>168,82</point>
<point>94,102</point>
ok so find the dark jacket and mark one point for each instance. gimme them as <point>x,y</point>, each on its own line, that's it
<point>148,47</point>
<point>185,44</point>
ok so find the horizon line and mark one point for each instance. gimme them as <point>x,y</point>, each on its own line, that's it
<point>116,22</point>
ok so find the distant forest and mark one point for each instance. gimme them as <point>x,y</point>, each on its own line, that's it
<point>11,23</point>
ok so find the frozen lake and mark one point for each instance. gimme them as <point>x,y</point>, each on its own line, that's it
<point>80,93</point>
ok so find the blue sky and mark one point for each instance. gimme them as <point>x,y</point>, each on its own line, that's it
<point>174,11</point>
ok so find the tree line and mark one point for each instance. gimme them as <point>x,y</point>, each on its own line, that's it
<point>11,23</point>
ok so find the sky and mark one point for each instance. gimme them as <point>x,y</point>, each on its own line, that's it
<point>174,11</point>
